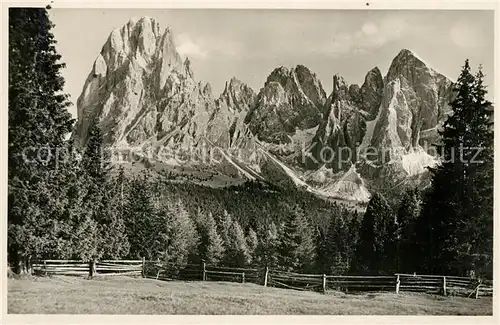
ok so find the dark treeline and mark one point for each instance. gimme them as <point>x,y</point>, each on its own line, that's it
<point>85,208</point>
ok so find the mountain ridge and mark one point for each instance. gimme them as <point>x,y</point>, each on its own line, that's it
<point>141,93</point>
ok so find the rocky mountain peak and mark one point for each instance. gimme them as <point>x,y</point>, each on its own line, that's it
<point>340,88</point>
<point>235,83</point>
<point>141,92</point>
<point>411,66</point>
<point>371,92</point>
<point>187,68</point>
<point>237,95</point>
<point>291,99</point>
<point>136,38</point>
<point>373,76</point>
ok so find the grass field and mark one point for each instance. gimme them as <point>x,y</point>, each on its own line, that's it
<point>123,295</point>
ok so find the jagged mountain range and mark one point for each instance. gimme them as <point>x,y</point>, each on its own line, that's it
<point>141,93</point>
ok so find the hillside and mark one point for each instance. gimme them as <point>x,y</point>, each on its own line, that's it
<point>121,295</point>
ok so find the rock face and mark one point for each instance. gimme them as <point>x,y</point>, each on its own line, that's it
<point>413,107</point>
<point>370,93</point>
<point>141,93</point>
<point>342,129</point>
<point>290,100</point>
<point>385,127</point>
<point>236,101</point>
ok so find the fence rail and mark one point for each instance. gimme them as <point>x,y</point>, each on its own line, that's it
<point>400,282</point>
<point>73,267</point>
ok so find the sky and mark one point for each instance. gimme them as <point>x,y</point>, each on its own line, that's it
<point>250,43</point>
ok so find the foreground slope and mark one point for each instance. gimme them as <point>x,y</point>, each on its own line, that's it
<point>122,295</point>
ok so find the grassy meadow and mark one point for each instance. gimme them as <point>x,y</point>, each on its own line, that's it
<point>125,295</point>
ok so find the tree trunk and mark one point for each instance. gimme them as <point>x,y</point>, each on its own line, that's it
<point>92,268</point>
<point>29,265</point>
<point>20,263</point>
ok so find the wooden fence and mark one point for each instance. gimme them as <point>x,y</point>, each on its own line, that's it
<point>435,284</point>
<point>170,271</point>
<point>446,285</point>
<point>81,268</point>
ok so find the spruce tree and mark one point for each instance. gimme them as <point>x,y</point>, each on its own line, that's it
<point>112,231</point>
<point>224,226</point>
<point>266,253</point>
<point>141,212</point>
<point>177,238</point>
<point>211,246</point>
<point>237,253</point>
<point>38,118</point>
<point>407,215</point>
<point>460,202</point>
<point>297,249</point>
<point>94,178</point>
<point>373,249</point>
<point>482,180</point>
<point>354,227</point>
<point>252,243</point>
<point>337,243</point>
<point>103,202</point>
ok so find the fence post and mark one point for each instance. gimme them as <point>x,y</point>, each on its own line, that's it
<point>204,271</point>
<point>444,285</point>
<point>143,273</point>
<point>398,282</point>
<point>92,267</point>
<point>30,266</point>
<point>324,283</point>
<point>477,290</point>
<point>45,267</point>
<point>243,277</point>
<point>265,277</point>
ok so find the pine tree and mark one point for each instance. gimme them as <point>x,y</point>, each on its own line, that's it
<point>103,200</point>
<point>375,238</point>
<point>211,246</point>
<point>237,253</point>
<point>112,231</point>
<point>297,246</point>
<point>337,243</point>
<point>354,227</point>
<point>407,215</point>
<point>266,253</point>
<point>177,238</point>
<point>38,119</point>
<point>482,180</point>
<point>252,243</point>
<point>141,212</point>
<point>460,203</point>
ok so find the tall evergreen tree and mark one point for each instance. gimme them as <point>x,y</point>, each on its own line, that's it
<point>266,253</point>
<point>460,203</point>
<point>407,236</point>
<point>141,208</point>
<point>337,246</point>
<point>112,231</point>
<point>94,205</point>
<point>237,253</point>
<point>252,243</point>
<point>373,249</point>
<point>297,246</point>
<point>177,238</point>
<point>353,235</point>
<point>211,246</point>
<point>38,125</point>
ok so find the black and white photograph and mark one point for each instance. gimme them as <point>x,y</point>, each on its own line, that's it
<point>249,161</point>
